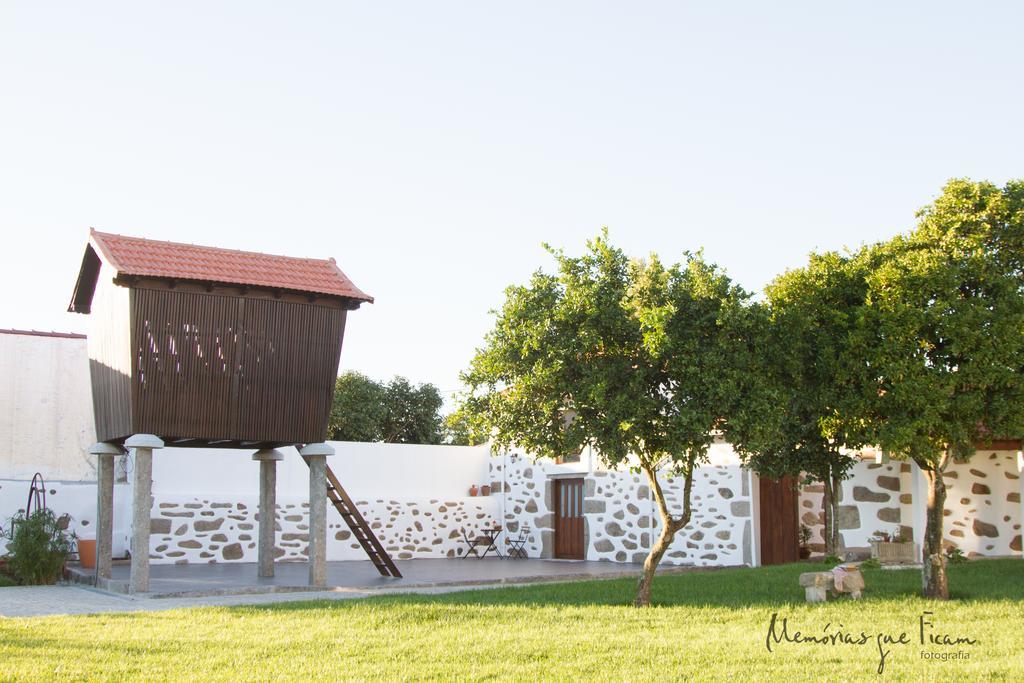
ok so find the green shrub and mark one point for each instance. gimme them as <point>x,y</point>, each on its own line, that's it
<point>833,560</point>
<point>870,563</point>
<point>955,556</point>
<point>38,547</point>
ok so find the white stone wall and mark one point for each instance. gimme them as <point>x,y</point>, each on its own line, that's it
<point>620,518</point>
<point>210,529</point>
<point>872,499</point>
<point>46,418</point>
<point>983,504</point>
<point>415,498</point>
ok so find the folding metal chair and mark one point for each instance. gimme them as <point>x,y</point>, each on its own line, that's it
<point>517,546</point>
<point>472,542</point>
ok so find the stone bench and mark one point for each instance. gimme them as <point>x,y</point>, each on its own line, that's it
<point>819,585</point>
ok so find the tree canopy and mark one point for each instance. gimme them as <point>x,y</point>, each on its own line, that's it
<point>394,412</point>
<point>937,360</point>
<point>811,312</point>
<point>640,360</point>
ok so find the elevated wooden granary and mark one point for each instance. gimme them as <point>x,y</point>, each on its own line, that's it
<point>211,347</point>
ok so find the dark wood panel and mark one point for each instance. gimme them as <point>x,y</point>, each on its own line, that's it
<point>211,367</point>
<point>779,519</point>
<point>569,541</point>
<point>110,360</point>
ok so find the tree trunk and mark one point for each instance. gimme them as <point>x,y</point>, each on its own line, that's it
<point>933,571</point>
<point>837,541</point>
<point>826,514</point>
<point>643,589</point>
<point>669,526</point>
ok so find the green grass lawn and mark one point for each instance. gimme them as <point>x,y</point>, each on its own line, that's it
<point>708,625</point>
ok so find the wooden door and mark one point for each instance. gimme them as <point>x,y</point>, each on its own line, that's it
<point>780,527</point>
<point>569,519</point>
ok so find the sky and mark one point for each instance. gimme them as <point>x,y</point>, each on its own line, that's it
<point>431,147</point>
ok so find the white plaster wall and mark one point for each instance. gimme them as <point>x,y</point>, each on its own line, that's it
<point>365,469</point>
<point>75,499</point>
<point>415,498</point>
<point>46,418</point>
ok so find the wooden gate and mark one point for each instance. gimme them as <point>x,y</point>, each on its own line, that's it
<point>780,527</point>
<point>569,519</point>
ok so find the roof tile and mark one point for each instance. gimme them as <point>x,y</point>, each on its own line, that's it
<point>154,258</point>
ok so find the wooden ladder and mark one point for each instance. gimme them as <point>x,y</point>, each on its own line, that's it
<point>360,529</point>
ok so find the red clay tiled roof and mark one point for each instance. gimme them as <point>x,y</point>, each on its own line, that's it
<point>154,258</point>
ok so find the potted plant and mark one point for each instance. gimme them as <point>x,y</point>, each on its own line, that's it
<point>892,548</point>
<point>473,490</point>
<point>38,548</point>
<point>485,490</point>
<point>805,538</point>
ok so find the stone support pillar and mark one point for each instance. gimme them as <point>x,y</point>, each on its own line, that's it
<point>268,459</point>
<point>105,454</point>
<point>316,456</point>
<point>142,499</point>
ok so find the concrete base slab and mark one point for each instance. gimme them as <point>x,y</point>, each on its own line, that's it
<point>197,580</point>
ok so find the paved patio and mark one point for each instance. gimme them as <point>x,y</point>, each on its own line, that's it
<point>196,580</point>
<point>199,580</point>
<point>201,585</point>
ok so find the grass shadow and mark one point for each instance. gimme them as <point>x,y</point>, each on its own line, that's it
<point>732,588</point>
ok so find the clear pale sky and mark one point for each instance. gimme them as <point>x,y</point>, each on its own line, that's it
<point>430,147</point>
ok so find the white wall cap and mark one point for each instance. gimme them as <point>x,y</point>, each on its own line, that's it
<point>144,441</point>
<point>104,448</point>
<point>317,449</point>
<point>271,454</point>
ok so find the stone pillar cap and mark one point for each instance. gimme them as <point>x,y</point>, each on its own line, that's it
<point>271,454</point>
<point>317,449</point>
<point>144,441</point>
<point>105,448</point>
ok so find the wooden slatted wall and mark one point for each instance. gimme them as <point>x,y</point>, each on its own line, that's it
<point>214,367</point>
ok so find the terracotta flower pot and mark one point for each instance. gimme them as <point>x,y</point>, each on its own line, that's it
<point>473,490</point>
<point>485,490</point>
<point>87,552</point>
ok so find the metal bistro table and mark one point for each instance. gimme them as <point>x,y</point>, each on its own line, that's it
<point>487,539</point>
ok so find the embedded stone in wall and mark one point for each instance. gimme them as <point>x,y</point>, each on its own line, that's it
<point>204,525</point>
<point>980,489</point>
<point>725,493</point>
<point>889,515</point>
<point>865,495</point>
<point>1015,543</point>
<point>889,483</point>
<point>985,529</point>
<point>740,508</point>
<point>160,526</point>
<point>848,517</point>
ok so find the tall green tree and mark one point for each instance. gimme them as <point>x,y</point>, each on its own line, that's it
<point>412,413</point>
<point>640,360</point>
<point>811,315</point>
<point>358,409</point>
<point>937,363</point>
<point>395,412</point>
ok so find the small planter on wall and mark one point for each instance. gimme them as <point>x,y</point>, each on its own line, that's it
<point>891,552</point>
<point>485,490</point>
<point>473,490</point>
